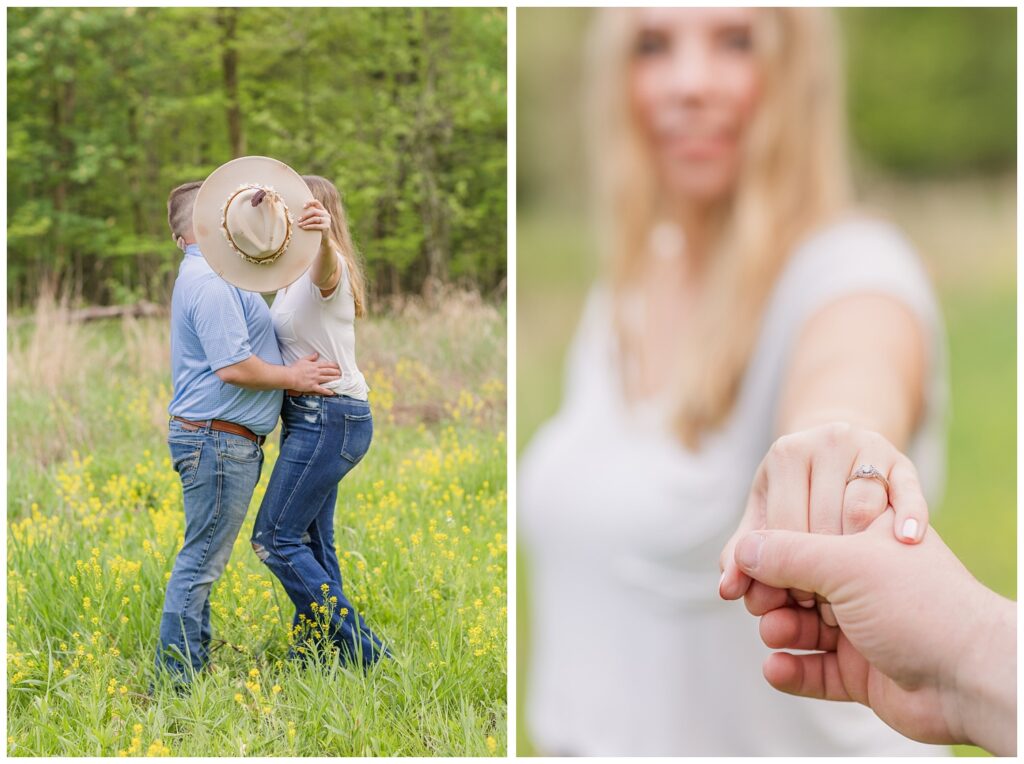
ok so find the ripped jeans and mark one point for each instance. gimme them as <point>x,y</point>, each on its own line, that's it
<point>322,438</point>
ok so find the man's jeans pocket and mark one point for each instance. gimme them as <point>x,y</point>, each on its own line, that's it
<point>240,449</point>
<point>185,454</point>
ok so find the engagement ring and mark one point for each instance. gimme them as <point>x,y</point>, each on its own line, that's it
<point>871,472</point>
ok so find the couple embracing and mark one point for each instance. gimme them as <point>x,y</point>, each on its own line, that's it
<point>256,226</point>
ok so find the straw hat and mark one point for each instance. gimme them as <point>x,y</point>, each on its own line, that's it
<point>245,222</point>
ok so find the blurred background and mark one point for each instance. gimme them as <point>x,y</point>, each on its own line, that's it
<point>108,109</point>
<point>932,112</point>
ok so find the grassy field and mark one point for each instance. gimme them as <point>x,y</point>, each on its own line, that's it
<point>95,520</point>
<point>965,231</point>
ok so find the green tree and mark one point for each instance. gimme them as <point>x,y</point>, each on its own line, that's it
<point>933,90</point>
<point>109,108</point>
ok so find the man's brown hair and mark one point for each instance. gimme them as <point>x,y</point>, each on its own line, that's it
<point>179,208</point>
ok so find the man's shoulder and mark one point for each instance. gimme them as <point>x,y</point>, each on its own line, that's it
<point>199,283</point>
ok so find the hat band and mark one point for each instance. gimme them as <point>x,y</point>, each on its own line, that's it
<point>269,259</point>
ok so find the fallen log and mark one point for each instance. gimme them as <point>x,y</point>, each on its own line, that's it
<point>142,309</point>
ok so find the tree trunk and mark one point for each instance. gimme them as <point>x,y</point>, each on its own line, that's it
<point>430,130</point>
<point>63,111</point>
<point>228,20</point>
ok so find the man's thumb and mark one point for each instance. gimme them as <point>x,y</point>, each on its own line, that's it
<point>792,560</point>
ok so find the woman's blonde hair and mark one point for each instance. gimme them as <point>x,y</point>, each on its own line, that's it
<point>793,177</point>
<point>327,194</point>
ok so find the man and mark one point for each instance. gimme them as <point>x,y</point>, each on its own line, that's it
<point>228,380</point>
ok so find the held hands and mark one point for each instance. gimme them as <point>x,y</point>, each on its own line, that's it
<point>308,376</point>
<point>904,628</point>
<point>920,641</point>
<point>801,485</point>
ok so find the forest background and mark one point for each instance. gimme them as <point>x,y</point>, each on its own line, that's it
<point>108,109</point>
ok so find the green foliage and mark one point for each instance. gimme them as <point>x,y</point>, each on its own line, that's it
<point>933,90</point>
<point>108,109</point>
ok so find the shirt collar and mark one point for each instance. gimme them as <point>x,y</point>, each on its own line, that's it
<point>193,249</point>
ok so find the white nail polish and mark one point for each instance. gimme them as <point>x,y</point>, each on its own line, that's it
<point>827,614</point>
<point>910,529</point>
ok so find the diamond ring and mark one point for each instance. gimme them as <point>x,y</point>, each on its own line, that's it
<point>870,472</point>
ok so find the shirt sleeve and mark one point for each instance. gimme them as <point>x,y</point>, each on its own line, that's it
<point>219,319</point>
<point>858,256</point>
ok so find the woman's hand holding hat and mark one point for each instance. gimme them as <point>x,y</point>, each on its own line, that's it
<point>315,217</point>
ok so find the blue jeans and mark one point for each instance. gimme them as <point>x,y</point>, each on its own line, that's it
<point>218,472</point>
<point>322,438</point>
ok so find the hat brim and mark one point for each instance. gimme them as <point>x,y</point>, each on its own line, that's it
<point>228,264</point>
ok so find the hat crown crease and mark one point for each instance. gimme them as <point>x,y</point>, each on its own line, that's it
<point>256,222</point>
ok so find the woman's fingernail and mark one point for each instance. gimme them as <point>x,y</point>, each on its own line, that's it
<point>720,580</point>
<point>748,551</point>
<point>827,614</point>
<point>806,603</point>
<point>910,529</point>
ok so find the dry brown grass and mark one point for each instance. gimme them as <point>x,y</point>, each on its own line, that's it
<point>47,357</point>
<point>423,356</point>
<point>425,363</point>
<point>965,229</point>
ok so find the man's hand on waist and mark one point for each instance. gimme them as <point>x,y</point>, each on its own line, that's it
<point>309,375</point>
<point>305,375</point>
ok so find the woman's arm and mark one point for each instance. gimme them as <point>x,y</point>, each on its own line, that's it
<point>325,272</point>
<point>854,386</point>
<point>860,360</point>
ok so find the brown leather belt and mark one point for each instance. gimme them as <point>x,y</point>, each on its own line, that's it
<point>223,426</point>
<point>295,393</point>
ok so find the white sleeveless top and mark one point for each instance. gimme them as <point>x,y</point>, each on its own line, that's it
<point>307,322</point>
<point>631,650</point>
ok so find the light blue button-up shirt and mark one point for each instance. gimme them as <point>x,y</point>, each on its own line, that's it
<point>213,325</point>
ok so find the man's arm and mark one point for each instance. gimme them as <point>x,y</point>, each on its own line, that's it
<point>219,319</point>
<point>305,375</point>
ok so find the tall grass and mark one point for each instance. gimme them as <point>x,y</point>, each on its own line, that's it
<point>95,519</point>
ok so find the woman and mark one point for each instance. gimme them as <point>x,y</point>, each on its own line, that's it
<point>741,301</point>
<point>322,437</point>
